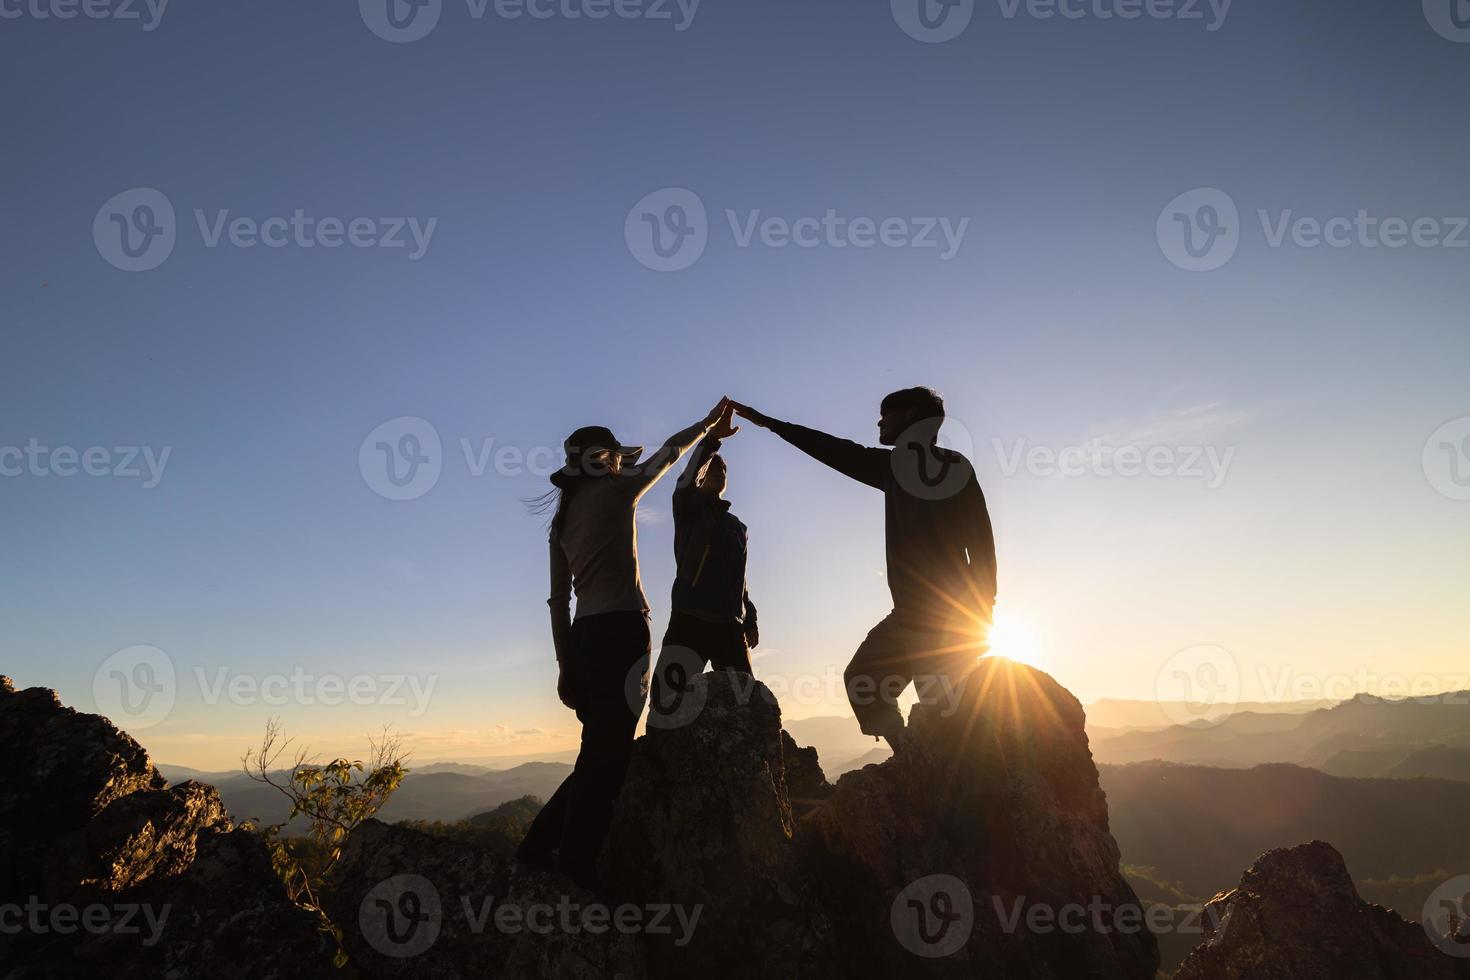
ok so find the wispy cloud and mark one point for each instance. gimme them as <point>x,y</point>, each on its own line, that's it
<point>1192,425</point>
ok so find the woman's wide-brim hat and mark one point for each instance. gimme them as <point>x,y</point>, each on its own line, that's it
<point>588,440</point>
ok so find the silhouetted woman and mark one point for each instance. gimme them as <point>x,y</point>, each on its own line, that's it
<point>594,552</point>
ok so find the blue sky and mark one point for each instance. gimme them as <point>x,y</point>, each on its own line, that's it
<point>1325,551</point>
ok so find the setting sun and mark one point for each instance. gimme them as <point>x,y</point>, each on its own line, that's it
<point>1016,639</point>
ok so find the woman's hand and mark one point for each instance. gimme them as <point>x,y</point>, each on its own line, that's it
<point>564,688</point>
<point>725,427</point>
<point>717,412</point>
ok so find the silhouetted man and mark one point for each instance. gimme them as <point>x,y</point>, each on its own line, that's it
<point>940,550</point>
<point>713,620</point>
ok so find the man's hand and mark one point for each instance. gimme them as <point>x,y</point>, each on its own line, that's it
<point>564,688</point>
<point>725,427</point>
<point>752,635</point>
<point>751,415</point>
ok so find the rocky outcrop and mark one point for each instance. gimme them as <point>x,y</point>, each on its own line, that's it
<point>412,905</point>
<point>109,870</point>
<point>705,823</point>
<point>1296,913</point>
<point>945,861</point>
<point>982,849</point>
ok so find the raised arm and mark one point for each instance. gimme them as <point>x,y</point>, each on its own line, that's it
<point>684,488</point>
<point>866,464</point>
<point>663,458</point>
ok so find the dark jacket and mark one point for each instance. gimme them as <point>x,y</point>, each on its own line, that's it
<point>709,549</point>
<point>940,547</point>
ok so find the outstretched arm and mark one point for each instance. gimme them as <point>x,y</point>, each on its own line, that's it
<point>662,459</point>
<point>684,487</point>
<point>866,464</point>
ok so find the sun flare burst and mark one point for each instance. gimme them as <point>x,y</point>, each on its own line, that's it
<point>1016,639</point>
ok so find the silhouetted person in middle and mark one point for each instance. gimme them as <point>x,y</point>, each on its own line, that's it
<point>941,557</point>
<point>713,620</point>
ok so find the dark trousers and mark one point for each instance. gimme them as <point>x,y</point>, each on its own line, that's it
<point>607,668</point>
<point>896,654</point>
<point>689,644</point>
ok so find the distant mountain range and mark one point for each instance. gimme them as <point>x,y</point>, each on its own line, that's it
<point>1365,736</point>
<point>1394,742</point>
<point>1115,716</point>
<point>451,791</point>
<point>437,791</point>
<point>1191,824</point>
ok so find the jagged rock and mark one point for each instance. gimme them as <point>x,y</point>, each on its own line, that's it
<point>992,810</point>
<point>89,828</point>
<point>62,766</point>
<point>414,905</point>
<point>149,833</point>
<point>806,785</point>
<point>1296,913</point>
<point>705,822</point>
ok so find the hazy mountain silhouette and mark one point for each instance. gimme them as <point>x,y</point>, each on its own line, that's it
<point>1446,759</point>
<point>1117,716</point>
<point>438,791</point>
<point>1250,738</point>
<point>1192,828</point>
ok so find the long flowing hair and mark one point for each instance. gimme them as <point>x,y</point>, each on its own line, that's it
<point>564,487</point>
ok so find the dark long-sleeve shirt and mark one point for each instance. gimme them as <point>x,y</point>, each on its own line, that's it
<point>940,545</point>
<point>709,549</point>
